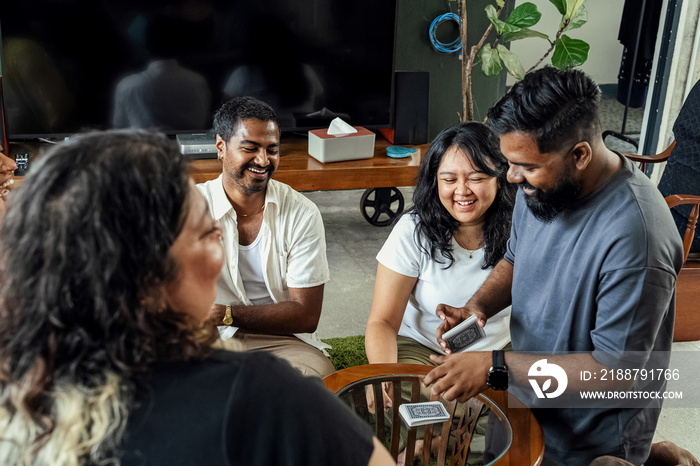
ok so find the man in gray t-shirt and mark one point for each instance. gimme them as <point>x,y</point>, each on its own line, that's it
<point>590,272</point>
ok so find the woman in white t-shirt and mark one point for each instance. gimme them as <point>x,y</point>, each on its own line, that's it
<point>443,248</point>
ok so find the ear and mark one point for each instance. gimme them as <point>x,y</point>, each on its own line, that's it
<point>220,147</point>
<point>583,154</point>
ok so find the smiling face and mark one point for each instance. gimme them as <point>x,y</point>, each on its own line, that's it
<point>7,170</point>
<point>251,156</point>
<point>199,256</point>
<point>465,192</point>
<point>549,181</point>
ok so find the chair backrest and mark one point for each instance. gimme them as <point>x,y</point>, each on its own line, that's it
<point>680,199</point>
<point>643,160</point>
<point>405,382</point>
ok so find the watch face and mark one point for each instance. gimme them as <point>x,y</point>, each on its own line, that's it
<point>498,379</point>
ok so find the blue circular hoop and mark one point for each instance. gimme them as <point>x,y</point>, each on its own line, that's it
<point>455,45</point>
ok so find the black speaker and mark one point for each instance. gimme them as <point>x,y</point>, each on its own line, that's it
<point>411,108</point>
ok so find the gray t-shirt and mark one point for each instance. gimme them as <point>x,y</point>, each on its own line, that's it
<point>600,278</point>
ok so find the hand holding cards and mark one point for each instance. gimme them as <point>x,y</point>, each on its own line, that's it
<point>464,335</point>
<point>420,414</point>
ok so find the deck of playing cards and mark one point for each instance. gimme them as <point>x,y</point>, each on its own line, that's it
<point>464,335</point>
<point>420,414</point>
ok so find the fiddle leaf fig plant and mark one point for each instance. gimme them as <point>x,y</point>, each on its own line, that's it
<point>494,56</point>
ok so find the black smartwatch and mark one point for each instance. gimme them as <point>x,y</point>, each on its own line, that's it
<point>497,377</point>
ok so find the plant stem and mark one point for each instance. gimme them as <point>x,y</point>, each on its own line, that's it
<point>552,45</point>
<point>466,69</point>
<point>468,64</point>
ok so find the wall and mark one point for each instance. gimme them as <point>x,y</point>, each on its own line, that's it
<point>600,32</point>
<point>415,53</point>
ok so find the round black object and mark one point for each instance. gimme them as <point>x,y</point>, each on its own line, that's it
<point>381,206</point>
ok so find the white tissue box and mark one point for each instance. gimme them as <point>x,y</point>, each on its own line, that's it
<point>329,148</point>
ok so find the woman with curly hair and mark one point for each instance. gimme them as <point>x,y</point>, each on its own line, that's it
<point>108,267</point>
<point>443,248</point>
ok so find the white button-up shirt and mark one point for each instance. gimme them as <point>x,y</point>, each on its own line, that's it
<point>293,247</point>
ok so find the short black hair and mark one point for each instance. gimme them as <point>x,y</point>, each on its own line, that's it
<point>553,106</point>
<point>231,113</point>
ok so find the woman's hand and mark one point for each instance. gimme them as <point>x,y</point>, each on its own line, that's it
<point>453,316</point>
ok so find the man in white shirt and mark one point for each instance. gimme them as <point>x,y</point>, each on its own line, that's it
<point>270,290</point>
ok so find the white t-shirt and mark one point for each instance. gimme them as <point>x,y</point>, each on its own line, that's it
<point>453,286</point>
<point>250,268</point>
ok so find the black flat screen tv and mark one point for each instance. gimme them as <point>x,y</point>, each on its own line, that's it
<point>74,65</point>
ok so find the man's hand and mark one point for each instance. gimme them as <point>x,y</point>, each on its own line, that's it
<point>459,376</point>
<point>453,316</point>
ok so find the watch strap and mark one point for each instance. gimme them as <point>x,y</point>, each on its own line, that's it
<point>499,358</point>
<point>228,319</point>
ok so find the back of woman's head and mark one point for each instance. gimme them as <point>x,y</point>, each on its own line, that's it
<point>84,253</point>
<point>435,224</point>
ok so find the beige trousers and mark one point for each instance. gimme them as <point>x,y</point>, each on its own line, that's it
<point>302,356</point>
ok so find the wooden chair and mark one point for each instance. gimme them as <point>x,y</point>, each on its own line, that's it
<point>687,325</point>
<point>643,160</point>
<point>517,422</point>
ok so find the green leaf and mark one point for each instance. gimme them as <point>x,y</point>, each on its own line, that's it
<point>579,19</point>
<point>525,15</point>
<point>560,4</point>
<point>490,62</point>
<point>500,26</point>
<point>522,34</point>
<point>510,60</point>
<point>501,3</point>
<point>569,52</point>
<point>572,7</point>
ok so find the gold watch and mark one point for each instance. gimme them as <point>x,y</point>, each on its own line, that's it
<point>228,320</point>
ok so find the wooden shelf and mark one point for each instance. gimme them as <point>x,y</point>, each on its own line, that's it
<point>304,173</point>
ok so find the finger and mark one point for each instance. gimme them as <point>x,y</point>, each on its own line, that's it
<point>438,358</point>
<point>440,311</point>
<point>434,375</point>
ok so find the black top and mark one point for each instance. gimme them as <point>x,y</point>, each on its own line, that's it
<point>241,409</point>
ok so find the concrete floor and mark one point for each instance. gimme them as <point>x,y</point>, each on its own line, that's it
<point>352,245</point>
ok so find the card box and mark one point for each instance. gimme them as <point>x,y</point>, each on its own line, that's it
<point>420,414</point>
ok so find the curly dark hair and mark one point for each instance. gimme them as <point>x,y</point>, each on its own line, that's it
<point>232,112</point>
<point>84,255</point>
<point>553,106</point>
<point>435,224</point>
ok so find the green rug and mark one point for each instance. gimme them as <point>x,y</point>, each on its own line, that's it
<point>347,351</point>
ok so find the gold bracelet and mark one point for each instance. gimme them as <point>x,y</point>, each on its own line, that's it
<point>228,320</point>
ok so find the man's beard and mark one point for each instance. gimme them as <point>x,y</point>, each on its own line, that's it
<point>546,205</point>
<point>256,186</point>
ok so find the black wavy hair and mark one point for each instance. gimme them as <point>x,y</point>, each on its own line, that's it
<point>435,224</point>
<point>553,106</point>
<point>232,112</point>
<point>84,255</point>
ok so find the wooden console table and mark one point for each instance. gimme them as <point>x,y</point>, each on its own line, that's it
<point>379,175</point>
<point>304,173</point>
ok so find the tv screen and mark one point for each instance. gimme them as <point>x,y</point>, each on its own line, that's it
<point>73,65</point>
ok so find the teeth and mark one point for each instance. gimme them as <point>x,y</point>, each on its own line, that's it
<point>255,170</point>
<point>465,203</point>
<point>8,183</point>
